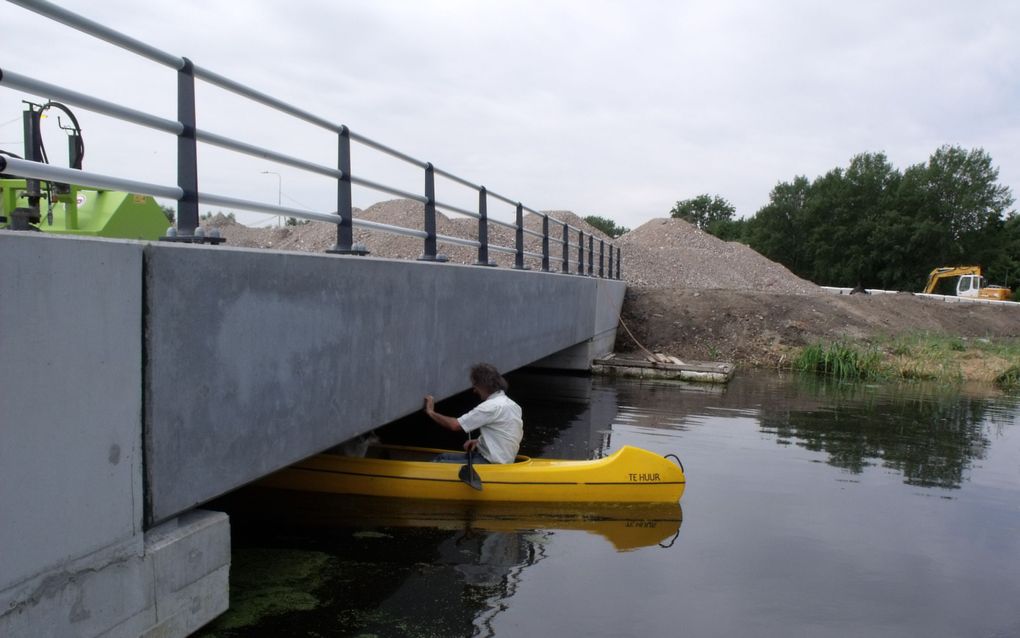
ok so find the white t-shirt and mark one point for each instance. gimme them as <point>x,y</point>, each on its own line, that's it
<point>498,419</point>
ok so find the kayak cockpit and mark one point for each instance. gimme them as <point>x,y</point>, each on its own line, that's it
<point>407,453</point>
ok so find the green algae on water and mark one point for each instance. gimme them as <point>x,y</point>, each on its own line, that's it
<point>269,582</point>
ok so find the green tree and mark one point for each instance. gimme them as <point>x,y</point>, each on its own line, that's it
<point>606,225</point>
<point>1007,268</point>
<point>778,230</point>
<point>869,223</point>
<point>703,210</point>
<point>729,229</point>
<point>958,208</point>
<point>849,209</point>
<point>170,212</point>
<point>209,215</point>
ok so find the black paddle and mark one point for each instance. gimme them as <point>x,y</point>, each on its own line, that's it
<point>468,473</point>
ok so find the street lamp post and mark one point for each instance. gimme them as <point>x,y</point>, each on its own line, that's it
<point>279,193</point>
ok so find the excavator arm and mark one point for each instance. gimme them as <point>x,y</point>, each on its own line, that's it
<point>935,276</point>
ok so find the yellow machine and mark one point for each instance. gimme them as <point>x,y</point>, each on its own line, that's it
<point>971,283</point>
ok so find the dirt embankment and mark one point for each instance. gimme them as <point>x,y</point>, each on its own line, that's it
<point>690,294</point>
<point>765,328</point>
<point>695,296</point>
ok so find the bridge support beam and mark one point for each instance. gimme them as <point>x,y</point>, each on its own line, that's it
<point>605,318</point>
<point>276,356</point>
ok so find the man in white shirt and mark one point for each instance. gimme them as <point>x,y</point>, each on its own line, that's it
<point>497,419</point>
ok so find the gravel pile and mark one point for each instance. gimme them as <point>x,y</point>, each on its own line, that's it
<point>405,213</point>
<point>672,253</point>
<point>663,253</point>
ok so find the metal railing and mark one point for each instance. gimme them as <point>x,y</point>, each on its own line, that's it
<point>188,196</point>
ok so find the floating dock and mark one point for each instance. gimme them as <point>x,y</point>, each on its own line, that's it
<point>662,367</point>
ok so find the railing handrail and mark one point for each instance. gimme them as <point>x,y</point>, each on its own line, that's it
<point>103,32</point>
<point>188,195</point>
<point>38,170</point>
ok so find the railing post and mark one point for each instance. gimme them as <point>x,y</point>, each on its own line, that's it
<point>566,249</point>
<point>602,254</point>
<point>187,152</point>
<point>430,214</point>
<point>344,205</point>
<point>591,255</point>
<point>580,252</point>
<point>611,251</point>
<point>519,257</point>
<point>619,258</point>
<point>483,228</point>
<point>545,243</point>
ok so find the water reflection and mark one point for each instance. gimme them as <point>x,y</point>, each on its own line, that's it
<point>929,434</point>
<point>468,558</point>
<point>624,527</point>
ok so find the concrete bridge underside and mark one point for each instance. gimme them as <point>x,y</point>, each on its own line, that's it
<point>141,380</point>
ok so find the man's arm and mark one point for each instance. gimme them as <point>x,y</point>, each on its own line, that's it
<point>447,422</point>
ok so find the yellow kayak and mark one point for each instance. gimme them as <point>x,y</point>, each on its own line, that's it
<point>629,475</point>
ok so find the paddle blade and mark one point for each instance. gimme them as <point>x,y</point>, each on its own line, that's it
<point>470,476</point>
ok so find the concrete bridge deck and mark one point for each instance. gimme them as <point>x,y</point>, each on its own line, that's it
<point>141,380</point>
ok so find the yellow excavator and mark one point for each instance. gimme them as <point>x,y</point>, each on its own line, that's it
<point>971,283</point>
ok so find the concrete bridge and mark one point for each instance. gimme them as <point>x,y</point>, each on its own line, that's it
<point>142,380</point>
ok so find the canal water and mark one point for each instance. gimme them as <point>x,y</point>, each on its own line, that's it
<point>812,508</point>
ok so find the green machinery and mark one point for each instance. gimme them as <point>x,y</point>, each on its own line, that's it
<point>36,205</point>
<point>83,211</point>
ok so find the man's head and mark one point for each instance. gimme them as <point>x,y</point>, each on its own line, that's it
<point>486,379</point>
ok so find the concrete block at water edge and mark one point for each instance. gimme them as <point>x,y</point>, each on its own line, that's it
<point>88,597</point>
<point>187,610</point>
<point>187,548</point>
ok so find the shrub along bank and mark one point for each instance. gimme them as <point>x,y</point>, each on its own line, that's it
<point>923,356</point>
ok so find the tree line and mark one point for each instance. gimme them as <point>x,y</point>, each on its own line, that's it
<point>871,224</point>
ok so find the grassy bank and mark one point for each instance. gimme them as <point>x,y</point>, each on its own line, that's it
<point>917,356</point>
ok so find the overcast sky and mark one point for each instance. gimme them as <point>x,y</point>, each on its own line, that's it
<point>617,109</point>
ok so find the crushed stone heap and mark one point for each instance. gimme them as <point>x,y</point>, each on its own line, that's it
<point>406,213</point>
<point>662,253</point>
<point>672,253</point>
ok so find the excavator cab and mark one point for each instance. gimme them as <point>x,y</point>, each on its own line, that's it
<point>975,286</point>
<point>969,285</point>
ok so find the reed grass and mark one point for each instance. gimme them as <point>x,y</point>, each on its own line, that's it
<point>1009,378</point>
<point>842,360</point>
<point>918,356</point>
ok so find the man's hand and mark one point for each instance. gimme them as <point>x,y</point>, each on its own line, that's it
<point>447,422</point>
<point>470,445</point>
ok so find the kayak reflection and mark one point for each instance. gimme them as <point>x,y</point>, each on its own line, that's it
<point>625,526</point>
